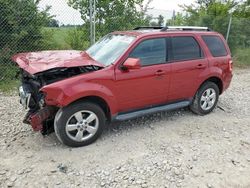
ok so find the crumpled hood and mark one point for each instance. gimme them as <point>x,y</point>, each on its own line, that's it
<point>34,62</point>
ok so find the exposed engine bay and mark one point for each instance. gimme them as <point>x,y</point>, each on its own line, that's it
<point>33,100</point>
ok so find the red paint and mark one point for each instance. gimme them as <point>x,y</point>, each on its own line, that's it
<point>130,89</point>
<point>34,62</point>
<point>132,63</point>
<point>36,120</point>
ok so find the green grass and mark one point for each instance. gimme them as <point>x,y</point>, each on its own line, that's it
<point>242,58</point>
<point>59,35</point>
<point>8,77</point>
<point>8,86</point>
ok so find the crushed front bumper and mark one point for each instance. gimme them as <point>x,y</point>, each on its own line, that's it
<point>38,115</point>
<point>36,120</point>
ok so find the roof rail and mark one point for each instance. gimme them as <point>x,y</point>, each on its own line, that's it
<point>185,28</point>
<point>148,27</point>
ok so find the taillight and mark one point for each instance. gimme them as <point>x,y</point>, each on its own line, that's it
<point>230,65</point>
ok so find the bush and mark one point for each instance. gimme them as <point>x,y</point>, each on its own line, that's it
<point>78,38</point>
<point>57,36</point>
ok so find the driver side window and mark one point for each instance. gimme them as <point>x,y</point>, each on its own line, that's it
<point>150,52</point>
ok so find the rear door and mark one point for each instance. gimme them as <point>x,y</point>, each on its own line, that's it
<point>188,62</point>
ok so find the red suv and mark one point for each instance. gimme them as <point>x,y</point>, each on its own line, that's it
<point>126,74</point>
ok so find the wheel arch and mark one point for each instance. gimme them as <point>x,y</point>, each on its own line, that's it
<point>215,80</point>
<point>96,100</point>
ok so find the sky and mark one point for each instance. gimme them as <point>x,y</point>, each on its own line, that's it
<point>67,15</point>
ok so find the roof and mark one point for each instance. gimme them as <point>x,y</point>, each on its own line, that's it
<point>146,31</point>
<point>154,32</point>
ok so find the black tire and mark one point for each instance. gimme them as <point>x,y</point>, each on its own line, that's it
<point>67,113</point>
<point>196,105</point>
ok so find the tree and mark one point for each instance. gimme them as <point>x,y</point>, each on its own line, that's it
<point>21,29</point>
<point>21,26</point>
<point>216,14</point>
<point>243,10</point>
<point>160,20</point>
<point>113,15</point>
<point>177,20</point>
<point>53,23</point>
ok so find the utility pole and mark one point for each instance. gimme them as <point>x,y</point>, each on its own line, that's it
<point>173,18</point>
<point>229,26</point>
<point>230,23</point>
<point>92,6</point>
<point>91,21</point>
<point>94,14</point>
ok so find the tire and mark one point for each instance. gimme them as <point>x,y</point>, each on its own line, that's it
<point>203,104</point>
<point>79,124</point>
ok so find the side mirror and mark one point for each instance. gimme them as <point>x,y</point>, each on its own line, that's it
<point>131,63</point>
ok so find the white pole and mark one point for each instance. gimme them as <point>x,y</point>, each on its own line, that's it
<point>91,21</point>
<point>94,14</point>
<point>229,26</point>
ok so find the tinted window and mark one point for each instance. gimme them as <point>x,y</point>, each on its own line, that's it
<point>215,45</point>
<point>151,51</point>
<point>185,48</point>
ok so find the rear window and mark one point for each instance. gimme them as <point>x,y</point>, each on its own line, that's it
<point>215,45</point>
<point>185,48</point>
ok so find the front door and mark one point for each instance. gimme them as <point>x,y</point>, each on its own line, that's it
<point>147,86</point>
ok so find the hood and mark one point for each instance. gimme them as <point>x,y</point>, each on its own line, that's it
<point>35,62</point>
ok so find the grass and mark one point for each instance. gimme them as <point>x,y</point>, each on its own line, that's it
<point>8,77</point>
<point>8,86</point>
<point>242,58</point>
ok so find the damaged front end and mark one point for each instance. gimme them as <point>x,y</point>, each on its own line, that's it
<point>32,100</point>
<point>41,116</point>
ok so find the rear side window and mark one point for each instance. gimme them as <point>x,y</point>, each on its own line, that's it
<point>185,48</point>
<point>150,52</point>
<point>215,45</point>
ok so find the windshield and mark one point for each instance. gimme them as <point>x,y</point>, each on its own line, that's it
<point>110,48</point>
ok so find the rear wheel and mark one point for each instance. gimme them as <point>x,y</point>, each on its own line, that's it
<point>205,99</point>
<point>79,124</point>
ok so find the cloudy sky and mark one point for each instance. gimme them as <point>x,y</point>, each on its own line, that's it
<point>68,15</point>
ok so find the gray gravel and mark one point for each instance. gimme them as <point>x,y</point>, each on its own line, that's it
<point>170,149</point>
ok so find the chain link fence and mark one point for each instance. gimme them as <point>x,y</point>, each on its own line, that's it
<point>25,28</point>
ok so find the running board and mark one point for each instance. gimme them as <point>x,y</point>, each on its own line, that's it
<point>139,113</point>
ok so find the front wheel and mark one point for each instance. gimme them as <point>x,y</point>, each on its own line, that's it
<point>79,124</point>
<point>205,99</point>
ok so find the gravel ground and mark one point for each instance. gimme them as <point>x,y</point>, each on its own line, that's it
<point>170,149</point>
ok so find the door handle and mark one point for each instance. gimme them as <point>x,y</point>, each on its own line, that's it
<point>201,66</point>
<point>159,72</point>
